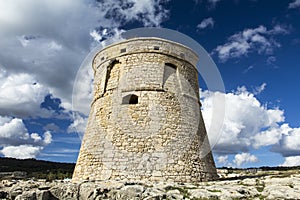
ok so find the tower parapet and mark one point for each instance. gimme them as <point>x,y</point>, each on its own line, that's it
<point>146,45</point>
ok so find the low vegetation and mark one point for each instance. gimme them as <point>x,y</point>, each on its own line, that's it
<point>37,168</point>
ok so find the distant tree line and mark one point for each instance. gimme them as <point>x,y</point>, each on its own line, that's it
<point>38,168</point>
<point>279,168</point>
<point>266,168</point>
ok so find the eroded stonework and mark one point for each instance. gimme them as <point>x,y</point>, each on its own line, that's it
<point>145,121</point>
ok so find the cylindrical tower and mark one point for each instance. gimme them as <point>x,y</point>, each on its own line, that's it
<point>145,121</point>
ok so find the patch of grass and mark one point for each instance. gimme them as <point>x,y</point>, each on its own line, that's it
<point>257,181</point>
<point>284,174</point>
<point>281,176</point>
<point>183,191</point>
<point>260,188</point>
<point>191,188</point>
<point>261,197</point>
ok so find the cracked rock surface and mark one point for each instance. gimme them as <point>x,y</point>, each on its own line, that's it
<point>261,187</point>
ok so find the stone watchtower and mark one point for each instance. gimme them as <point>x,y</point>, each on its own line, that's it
<point>145,121</point>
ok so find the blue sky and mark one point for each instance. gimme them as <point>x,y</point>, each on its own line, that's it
<point>254,43</point>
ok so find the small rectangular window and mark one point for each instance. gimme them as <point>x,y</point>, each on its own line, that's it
<point>156,47</point>
<point>123,50</point>
<point>130,99</point>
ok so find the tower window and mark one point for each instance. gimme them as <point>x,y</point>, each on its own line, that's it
<point>123,50</point>
<point>170,65</point>
<point>156,47</point>
<point>170,77</point>
<point>130,99</point>
<point>133,99</point>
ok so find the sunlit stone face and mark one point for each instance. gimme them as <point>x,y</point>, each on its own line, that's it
<point>145,121</point>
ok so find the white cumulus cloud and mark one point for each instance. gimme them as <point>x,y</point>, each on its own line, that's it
<point>17,142</point>
<point>12,131</point>
<point>272,136</point>
<point>292,161</point>
<point>49,39</point>
<point>238,160</point>
<point>79,124</point>
<point>259,40</point>
<point>21,95</point>
<point>21,151</point>
<point>243,158</point>
<point>249,125</point>
<point>244,118</point>
<point>289,144</point>
<point>223,160</point>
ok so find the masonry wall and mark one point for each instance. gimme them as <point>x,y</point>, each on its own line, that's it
<point>145,120</point>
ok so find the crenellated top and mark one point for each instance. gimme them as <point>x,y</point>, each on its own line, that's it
<point>145,45</point>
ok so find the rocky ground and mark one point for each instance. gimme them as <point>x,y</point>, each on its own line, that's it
<point>276,186</point>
